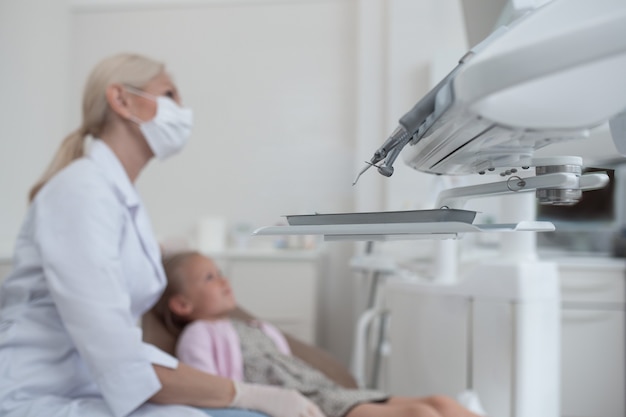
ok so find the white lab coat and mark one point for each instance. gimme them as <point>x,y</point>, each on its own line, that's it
<point>86,267</point>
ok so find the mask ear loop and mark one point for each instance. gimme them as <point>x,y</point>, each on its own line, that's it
<point>139,93</point>
<point>135,119</point>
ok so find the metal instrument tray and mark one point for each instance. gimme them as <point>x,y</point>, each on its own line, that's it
<point>411,216</point>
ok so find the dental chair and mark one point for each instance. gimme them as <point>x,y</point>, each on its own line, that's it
<point>155,332</point>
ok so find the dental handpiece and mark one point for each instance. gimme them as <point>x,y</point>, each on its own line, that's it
<point>408,127</point>
<point>389,148</point>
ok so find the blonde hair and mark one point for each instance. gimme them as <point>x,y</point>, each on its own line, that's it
<point>175,285</point>
<point>127,69</point>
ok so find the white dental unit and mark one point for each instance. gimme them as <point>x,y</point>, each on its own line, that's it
<point>550,76</point>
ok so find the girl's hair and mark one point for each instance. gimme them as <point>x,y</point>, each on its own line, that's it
<point>175,285</point>
<point>126,69</point>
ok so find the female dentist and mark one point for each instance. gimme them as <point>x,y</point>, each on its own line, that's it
<point>87,266</point>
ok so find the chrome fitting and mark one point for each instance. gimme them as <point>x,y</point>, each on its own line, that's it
<point>559,196</point>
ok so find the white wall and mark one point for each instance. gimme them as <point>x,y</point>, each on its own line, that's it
<point>289,96</point>
<point>272,95</point>
<point>34,41</point>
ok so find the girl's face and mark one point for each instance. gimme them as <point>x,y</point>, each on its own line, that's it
<point>208,292</point>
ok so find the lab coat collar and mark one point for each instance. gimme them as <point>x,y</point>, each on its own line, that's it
<point>106,160</point>
<point>104,157</point>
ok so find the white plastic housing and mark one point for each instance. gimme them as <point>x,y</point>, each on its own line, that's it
<point>550,77</point>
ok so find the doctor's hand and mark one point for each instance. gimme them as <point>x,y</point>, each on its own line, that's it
<point>275,401</point>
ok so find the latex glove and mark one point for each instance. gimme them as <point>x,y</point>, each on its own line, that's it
<point>275,401</point>
<point>469,399</point>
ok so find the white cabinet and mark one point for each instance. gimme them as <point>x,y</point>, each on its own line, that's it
<point>279,286</point>
<point>592,339</point>
<point>496,331</point>
<point>593,334</point>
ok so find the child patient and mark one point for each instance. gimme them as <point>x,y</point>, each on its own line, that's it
<point>198,300</point>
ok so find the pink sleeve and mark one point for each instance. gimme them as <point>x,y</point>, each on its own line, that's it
<point>213,347</point>
<point>278,338</point>
<point>195,348</point>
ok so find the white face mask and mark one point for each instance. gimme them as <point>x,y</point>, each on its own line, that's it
<point>169,130</point>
